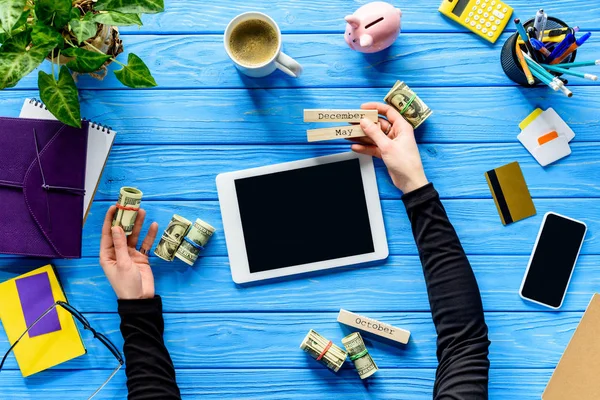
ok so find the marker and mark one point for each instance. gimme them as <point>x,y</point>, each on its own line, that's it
<point>569,72</point>
<point>583,39</point>
<point>541,19</point>
<point>524,65</point>
<point>580,64</point>
<point>539,46</point>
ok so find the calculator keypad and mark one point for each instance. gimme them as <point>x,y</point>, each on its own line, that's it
<point>485,17</point>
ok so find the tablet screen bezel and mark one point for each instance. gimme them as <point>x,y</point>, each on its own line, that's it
<point>234,236</point>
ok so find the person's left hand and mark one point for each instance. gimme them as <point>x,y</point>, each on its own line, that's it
<point>126,268</point>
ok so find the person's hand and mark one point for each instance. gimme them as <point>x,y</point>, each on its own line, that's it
<point>398,148</point>
<point>126,268</point>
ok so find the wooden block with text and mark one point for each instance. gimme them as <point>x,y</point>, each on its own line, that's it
<point>318,115</point>
<point>373,327</point>
<point>336,132</point>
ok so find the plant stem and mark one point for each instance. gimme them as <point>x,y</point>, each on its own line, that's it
<point>101,52</point>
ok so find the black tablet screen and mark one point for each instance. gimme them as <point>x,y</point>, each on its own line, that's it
<point>304,215</point>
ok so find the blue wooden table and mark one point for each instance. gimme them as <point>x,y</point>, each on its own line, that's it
<point>229,342</point>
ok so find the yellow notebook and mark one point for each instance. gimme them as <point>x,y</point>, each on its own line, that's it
<point>38,353</point>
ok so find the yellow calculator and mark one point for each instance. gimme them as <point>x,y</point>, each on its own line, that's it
<point>487,18</point>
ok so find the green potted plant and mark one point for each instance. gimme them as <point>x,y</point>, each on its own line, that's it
<point>78,37</point>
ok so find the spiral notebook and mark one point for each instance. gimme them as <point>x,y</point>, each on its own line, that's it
<point>100,141</point>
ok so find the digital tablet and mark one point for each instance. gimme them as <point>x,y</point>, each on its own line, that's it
<point>301,216</point>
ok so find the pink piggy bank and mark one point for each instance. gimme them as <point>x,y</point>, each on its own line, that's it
<point>373,27</point>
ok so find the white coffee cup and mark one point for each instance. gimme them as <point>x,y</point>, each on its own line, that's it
<point>279,61</point>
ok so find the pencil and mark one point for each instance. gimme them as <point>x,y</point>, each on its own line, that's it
<point>580,64</point>
<point>545,80</point>
<point>524,65</point>
<point>569,72</point>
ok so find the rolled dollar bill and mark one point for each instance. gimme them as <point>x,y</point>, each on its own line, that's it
<point>408,104</point>
<point>128,205</point>
<point>195,241</point>
<point>172,237</point>
<point>324,351</point>
<point>359,355</point>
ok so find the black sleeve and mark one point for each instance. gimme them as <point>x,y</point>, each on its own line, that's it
<point>148,365</point>
<point>462,345</point>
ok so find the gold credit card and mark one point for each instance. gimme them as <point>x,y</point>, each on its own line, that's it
<point>510,193</point>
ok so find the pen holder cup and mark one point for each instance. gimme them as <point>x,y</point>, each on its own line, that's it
<point>508,57</point>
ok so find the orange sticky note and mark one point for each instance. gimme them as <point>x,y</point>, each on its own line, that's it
<point>548,137</point>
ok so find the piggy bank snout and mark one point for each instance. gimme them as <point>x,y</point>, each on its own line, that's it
<point>366,40</point>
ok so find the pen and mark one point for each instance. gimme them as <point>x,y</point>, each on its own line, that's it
<point>583,39</point>
<point>524,36</point>
<point>580,64</point>
<point>561,47</point>
<point>539,46</point>
<point>569,72</point>
<point>541,18</point>
<point>532,35</point>
<point>524,65</point>
<point>564,55</point>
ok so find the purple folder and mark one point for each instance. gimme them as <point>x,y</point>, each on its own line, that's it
<point>35,294</point>
<point>42,184</point>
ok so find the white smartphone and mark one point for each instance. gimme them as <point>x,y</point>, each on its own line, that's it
<point>553,260</point>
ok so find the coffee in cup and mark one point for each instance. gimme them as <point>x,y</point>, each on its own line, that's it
<point>253,42</point>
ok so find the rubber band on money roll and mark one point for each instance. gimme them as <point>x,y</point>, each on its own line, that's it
<point>120,207</point>
<point>325,350</point>
<point>414,96</point>
<point>193,244</point>
<point>359,355</point>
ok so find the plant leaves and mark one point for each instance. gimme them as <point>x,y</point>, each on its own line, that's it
<point>16,61</point>
<point>83,29</point>
<point>10,12</point>
<point>135,74</point>
<point>84,60</point>
<point>75,13</point>
<point>43,36</point>
<point>53,12</point>
<point>61,98</point>
<point>117,19</point>
<point>17,43</point>
<point>131,6</point>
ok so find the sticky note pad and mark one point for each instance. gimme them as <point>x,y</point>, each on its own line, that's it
<point>510,193</point>
<point>530,118</point>
<point>36,297</point>
<point>548,137</point>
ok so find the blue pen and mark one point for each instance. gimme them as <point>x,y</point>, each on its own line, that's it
<point>539,46</point>
<point>583,39</point>
<point>561,47</point>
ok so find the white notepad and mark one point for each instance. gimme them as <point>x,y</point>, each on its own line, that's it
<point>100,141</point>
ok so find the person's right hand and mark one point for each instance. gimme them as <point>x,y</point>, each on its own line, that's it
<point>398,148</point>
<point>127,268</point>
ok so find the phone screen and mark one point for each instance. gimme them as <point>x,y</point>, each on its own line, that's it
<point>553,260</point>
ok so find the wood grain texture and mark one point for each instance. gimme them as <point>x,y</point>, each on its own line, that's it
<point>172,172</point>
<point>486,236</point>
<point>251,340</point>
<point>274,384</point>
<point>397,284</point>
<point>301,16</point>
<point>235,117</point>
<point>200,61</point>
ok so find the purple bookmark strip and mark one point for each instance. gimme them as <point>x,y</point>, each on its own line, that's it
<point>36,297</point>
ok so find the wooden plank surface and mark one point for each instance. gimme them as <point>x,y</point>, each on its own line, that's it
<point>231,340</point>
<point>307,16</point>
<point>275,384</point>
<point>200,61</point>
<point>196,117</point>
<point>397,284</point>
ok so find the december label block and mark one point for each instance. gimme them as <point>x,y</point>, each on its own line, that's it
<point>318,115</point>
<point>373,326</point>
